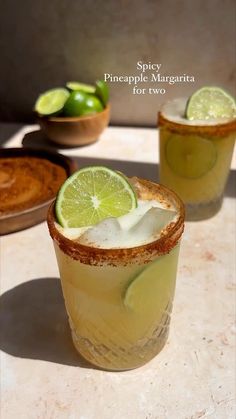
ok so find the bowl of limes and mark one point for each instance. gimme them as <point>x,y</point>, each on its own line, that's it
<point>74,115</point>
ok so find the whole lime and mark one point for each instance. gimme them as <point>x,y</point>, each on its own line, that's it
<point>75,103</point>
<point>92,105</point>
<point>80,103</point>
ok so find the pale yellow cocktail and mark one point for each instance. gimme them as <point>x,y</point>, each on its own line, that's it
<point>195,158</point>
<point>119,299</point>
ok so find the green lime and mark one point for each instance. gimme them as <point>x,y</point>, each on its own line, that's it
<point>210,103</point>
<point>102,91</point>
<point>74,85</point>
<point>51,102</point>
<point>190,157</point>
<point>92,105</point>
<point>151,291</point>
<point>93,194</point>
<point>81,103</point>
<point>75,103</point>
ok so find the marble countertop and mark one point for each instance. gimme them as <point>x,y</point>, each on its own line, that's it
<point>192,378</point>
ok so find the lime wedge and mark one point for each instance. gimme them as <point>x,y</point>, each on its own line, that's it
<point>151,291</point>
<point>52,101</point>
<point>190,157</point>
<point>93,194</point>
<point>74,85</point>
<point>102,91</point>
<point>210,103</point>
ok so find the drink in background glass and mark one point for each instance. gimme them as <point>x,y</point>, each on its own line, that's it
<point>195,157</point>
<point>119,298</point>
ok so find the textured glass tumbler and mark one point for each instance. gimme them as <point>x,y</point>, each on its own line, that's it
<point>119,301</point>
<point>195,163</point>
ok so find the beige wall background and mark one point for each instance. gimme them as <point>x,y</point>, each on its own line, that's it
<point>45,43</point>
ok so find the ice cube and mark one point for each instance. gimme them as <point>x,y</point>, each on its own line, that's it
<point>129,220</point>
<point>71,233</point>
<point>104,234</point>
<point>118,233</point>
<point>151,224</point>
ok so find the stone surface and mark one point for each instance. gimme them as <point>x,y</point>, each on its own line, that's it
<point>194,375</point>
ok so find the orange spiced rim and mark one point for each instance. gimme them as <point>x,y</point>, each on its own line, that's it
<point>219,129</point>
<point>135,255</point>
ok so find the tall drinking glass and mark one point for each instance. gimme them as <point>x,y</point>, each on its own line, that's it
<point>195,158</point>
<point>119,301</point>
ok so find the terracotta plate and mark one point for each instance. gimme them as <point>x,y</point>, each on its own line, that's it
<point>29,181</point>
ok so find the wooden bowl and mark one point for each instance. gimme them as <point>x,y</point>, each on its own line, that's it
<point>75,131</point>
<point>20,219</point>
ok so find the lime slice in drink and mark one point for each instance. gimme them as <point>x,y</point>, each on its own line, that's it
<point>190,157</point>
<point>210,103</point>
<point>102,91</point>
<point>74,85</point>
<point>151,291</point>
<point>51,102</point>
<point>93,194</point>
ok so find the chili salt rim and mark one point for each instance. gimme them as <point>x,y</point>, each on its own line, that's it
<point>219,129</point>
<point>121,257</point>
